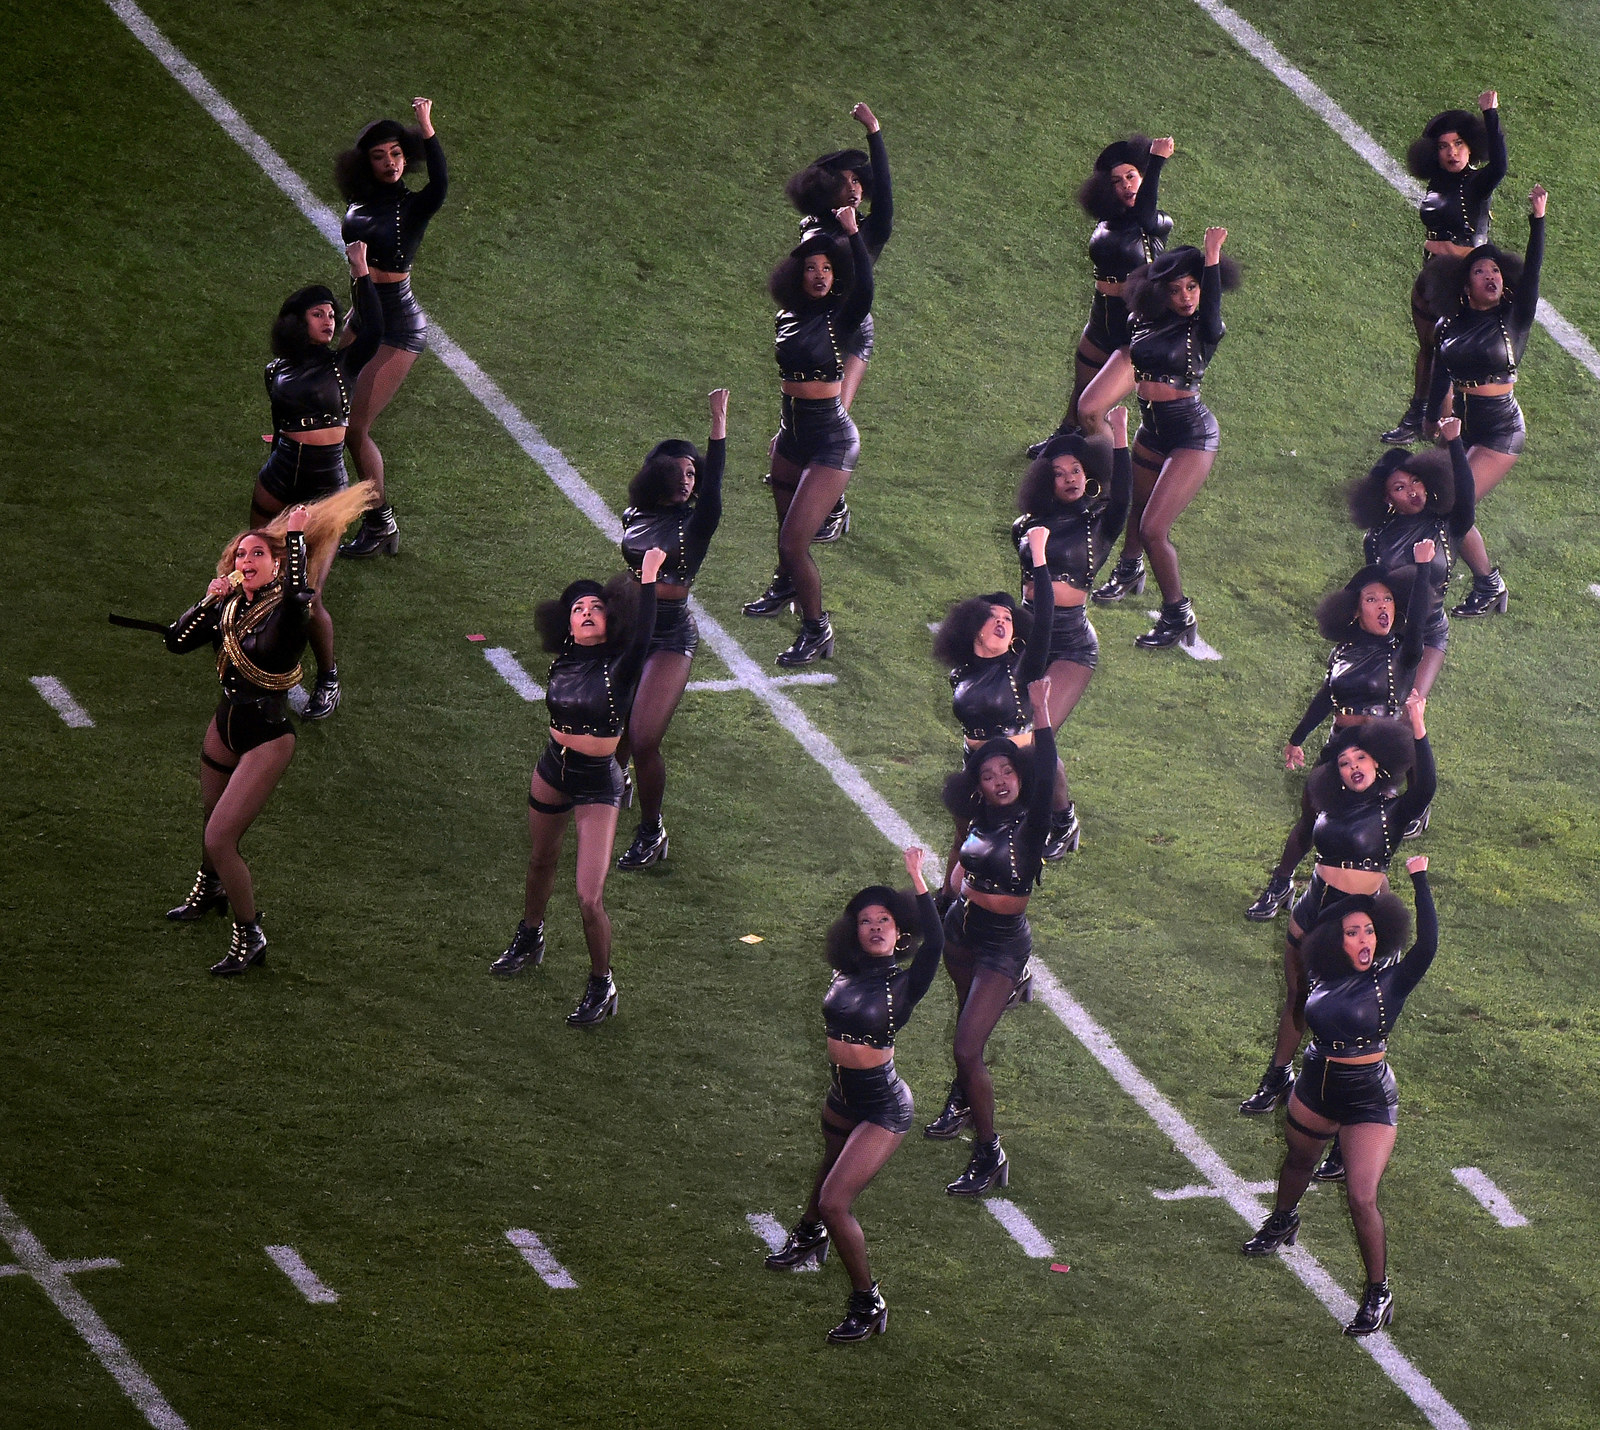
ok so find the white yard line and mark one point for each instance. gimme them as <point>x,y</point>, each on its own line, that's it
<point>510,670</point>
<point>1317,100</point>
<point>1489,1196</point>
<point>1594,589</point>
<point>70,1268</point>
<point>884,817</point>
<point>774,1234</point>
<point>293,1265</point>
<point>1033,1242</point>
<point>34,1261</point>
<point>59,698</point>
<point>537,1255</point>
<point>1183,1194</point>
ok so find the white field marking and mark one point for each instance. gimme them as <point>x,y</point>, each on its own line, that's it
<point>299,698</point>
<point>537,1255</point>
<point>59,699</point>
<point>293,1265</point>
<point>1183,1194</point>
<point>1317,100</point>
<point>1489,1196</point>
<point>52,1277</point>
<point>1195,650</point>
<point>774,1234</point>
<point>1026,1235</point>
<point>809,677</point>
<point>510,670</point>
<point>1594,589</point>
<point>70,1268</point>
<point>888,821</point>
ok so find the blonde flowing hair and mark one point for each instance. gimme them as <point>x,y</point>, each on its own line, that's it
<point>326,522</point>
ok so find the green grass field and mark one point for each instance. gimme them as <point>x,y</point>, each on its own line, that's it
<point>374,1099</point>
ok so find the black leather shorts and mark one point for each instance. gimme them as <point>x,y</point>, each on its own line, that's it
<point>1492,422</point>
<point>859,343</point>
<point>876,1095</point>
<point>1348,1092</point>
<point>1183,424</point>
<point>1072,637</point>
<point>404,325</point>
<point>300,472</point>
<point>817,431</point>
<point>1108,323</point>
<point>243,727</point>
<point>582,779</point>
<point>675,629</point>
<point>1308,907</point>
<point>1000,942</point>
<point>1436,631</point>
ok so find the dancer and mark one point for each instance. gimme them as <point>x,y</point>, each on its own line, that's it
<point>1461,156</point>
<point>676,505</point>
<point>391,219</point>
<point>843,178</point>
<point>1006,798</point>
<point>1378,621</point>
<point>1489,300</point>
<point>256,615</point>
<point>1360,819</point>
<point>1121,193</point>
<point>1176,323</point>
<point>309,386</point>
<point>868,1108</point>
<point>1359,985</point>
<point>1079,488</point>
<point>825,289</point>
<point>599,635</point>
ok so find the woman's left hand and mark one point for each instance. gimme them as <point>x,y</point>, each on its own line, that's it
<point>1037,537</point>
<point>1039,697</point>
<point>866,118</point>
<point>423,109</point>
<point>1214,239</point>
<point>650,567</point>
<point>1416,703</point>
<point>847,219</point>
<point>914,857</point>
<point>1536,200</point>
<point>297,518</point>
<point>1422,552</point>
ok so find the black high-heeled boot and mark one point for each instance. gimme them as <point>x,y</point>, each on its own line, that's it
<point>598,1003</point>
<point>1271,1092</point>
<point>1279,1229</point>
<point>814,643</point>
<point>1021,990</point>
<point>378,533</point>
<point>324,697</point>
<point>1418,826</point>
<point>1331,1168</point>
<point>867,1315</point>
<point>1127,579</point>
<point>1488,596</point>
<point>834,525</point>
<point>1377,1310</point>
<point>1408,428</point>
<point>648,847</point>
<point>1175,623</point>
<point>956,1115</point>
<point>1064,836</point>
<point>247,946</point>
<point>206,897</point>
<point>1278,894</point>
<point>778,597</point>
<point>526,946</point>
<point>808,1240</point>
<point>987,1168</point>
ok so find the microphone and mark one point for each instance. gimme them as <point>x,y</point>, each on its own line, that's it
<point>235,581</point>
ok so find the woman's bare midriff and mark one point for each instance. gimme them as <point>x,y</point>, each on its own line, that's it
<point>814,390</point>
<point>995,903</point>
<point>666,591</point>
<point>317,437</point>
<point>858,1055</point>
<point>1363,1059</point>
<point>1069,595</point>
<point>380,277</point>
<point>1022,741</point>
<point>597,745</point>
<point>1163,392</point>
<point>1353,881</point>
<point>1491,389</point>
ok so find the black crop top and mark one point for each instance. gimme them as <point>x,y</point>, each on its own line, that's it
<point>1368,674</point>
<point>990,692</point>
<point>1389,543</point>
<point>873,1004</point>
<point>1456,206</point>
<point>1083,532</point>
<point>1362,831</point>
<point>1476,347</point>
<point>684,529</point>
<point>877,224</point>
<point>806,344</point>
<point>268,629</point>
<point>1174,349</point>
<point>590,688</point>
<point>312,393</point>
<point>1357,1014</point>
<point>1119,245</point>
<point>392,224</point>
<point>1004,848</point>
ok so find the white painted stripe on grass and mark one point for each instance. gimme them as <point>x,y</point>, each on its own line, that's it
<point>299,698</point>
<point>293,1265</point>
<point>1033,1242</point>
<point>510,670</point>
<point>59,698</point>
<point>897,830</point>
<point>1196,649</point>
<point>774,1234</point>
<point>71,1268</point>
<point>1594,589</point>
<point>111,1353</point>
<point>1317,100</point>
<point>810,677</point>
<point>1489,1196</point>
<point>537,1255</point>
<point>1183,1194</point>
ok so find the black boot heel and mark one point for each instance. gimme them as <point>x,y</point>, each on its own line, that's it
<point>247,946</point>
<point>1127,579</point>
<point>1176,624</point>
<point>1278,894</point>
<point>867,1315</point>
<point>598,1003</point>
<point>378,533</point>
<point>1279,1229</point>
<point>777,598</point>
<point>1271,1092</point>
<point>808,1241</point>
<point>649,847</point>
<point>1488,596</point>
<point>988,1168</point>
<point>814,643</point>
<point>526,946</point>
<point>204,898</point>
<point>948,1124</point>
<point>1377,1310</point>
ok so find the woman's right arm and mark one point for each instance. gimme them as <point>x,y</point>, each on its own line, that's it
<point>1320,708</point>
<point>1148,200</point>
<point>197,626</point>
